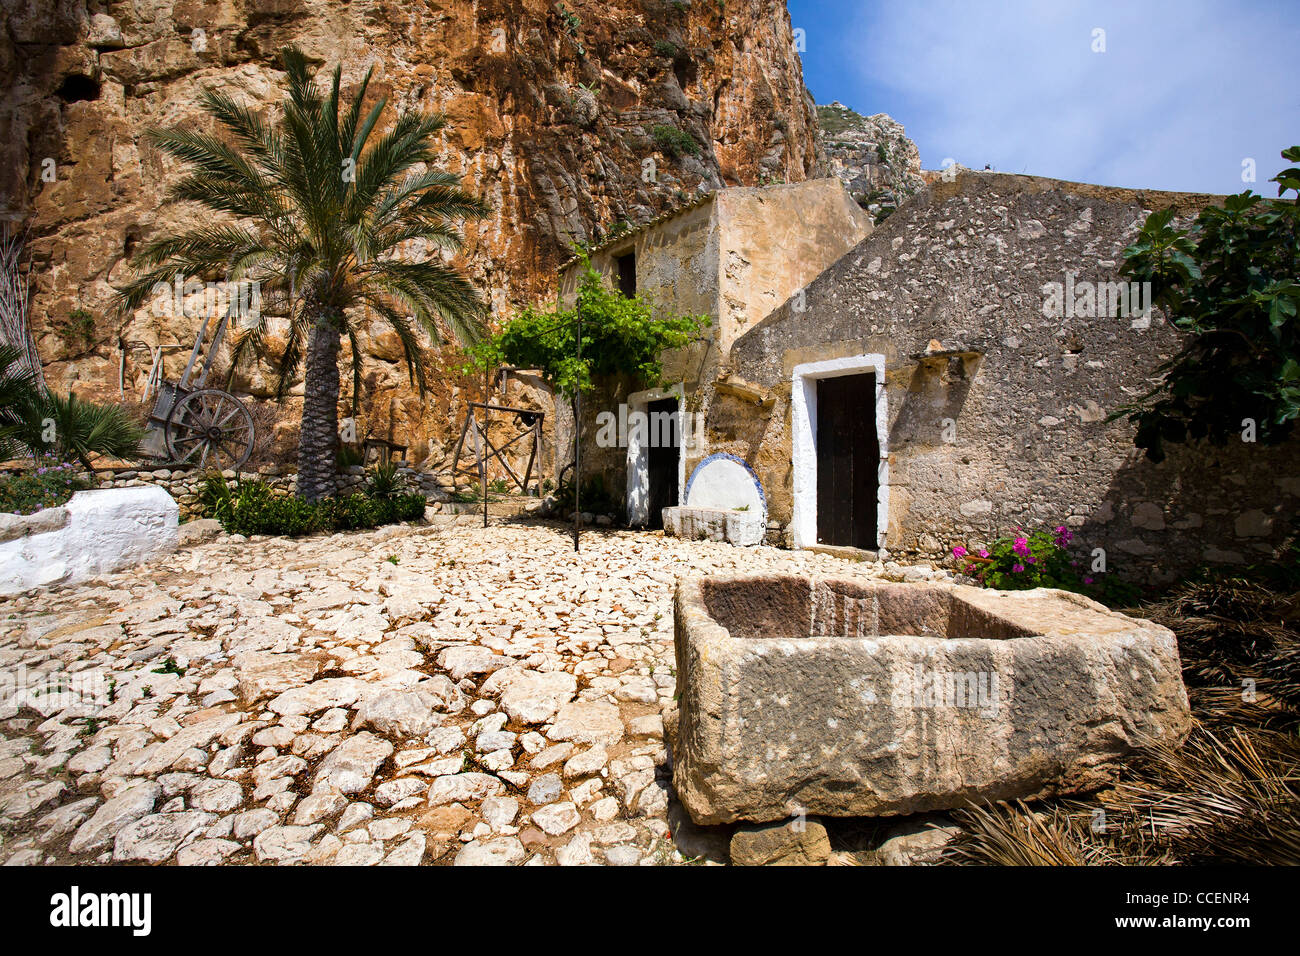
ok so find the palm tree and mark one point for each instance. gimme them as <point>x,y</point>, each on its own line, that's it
<point>19,401</point>
<point>321,216</point>
<point>35,422</point>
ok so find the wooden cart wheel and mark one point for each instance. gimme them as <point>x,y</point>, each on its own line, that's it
<point>210,429</point>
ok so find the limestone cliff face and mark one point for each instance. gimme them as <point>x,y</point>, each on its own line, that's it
<point>871,155</point>
<point>555,110</point>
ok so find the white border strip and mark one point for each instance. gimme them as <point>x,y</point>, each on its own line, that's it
<point>638,458</point>
<point>803,424</point>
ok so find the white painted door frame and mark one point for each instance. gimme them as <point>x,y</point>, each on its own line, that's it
<point>803,441</point>
<point>638,458</point>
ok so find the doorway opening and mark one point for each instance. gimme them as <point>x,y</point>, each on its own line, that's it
<point>662,458</point>
<point>840,456</point>
<point>626,266</point>
<point>655,464</point>
<point>848,459</point>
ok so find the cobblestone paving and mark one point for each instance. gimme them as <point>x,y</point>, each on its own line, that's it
<point>435,694</point>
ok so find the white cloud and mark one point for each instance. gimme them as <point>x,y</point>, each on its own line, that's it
<point>1184,91</point>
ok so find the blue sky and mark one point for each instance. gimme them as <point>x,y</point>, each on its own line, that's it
<point>1185,92</point>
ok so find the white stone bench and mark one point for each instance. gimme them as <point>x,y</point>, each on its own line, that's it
<point>724,502</point>
<point>95,533</point>
<point>745,528</point>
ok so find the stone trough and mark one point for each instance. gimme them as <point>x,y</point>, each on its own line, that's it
<point>861,698</point>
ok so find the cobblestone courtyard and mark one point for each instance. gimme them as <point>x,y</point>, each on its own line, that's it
<point>436,694</point>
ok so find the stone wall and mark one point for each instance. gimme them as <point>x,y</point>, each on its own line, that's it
<point>185,485</point>
<point>1005,427</point>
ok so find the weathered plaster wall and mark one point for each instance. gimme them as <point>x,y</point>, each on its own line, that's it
<point>964,263</point>
<point>94,533</point>
<point>773,241</point>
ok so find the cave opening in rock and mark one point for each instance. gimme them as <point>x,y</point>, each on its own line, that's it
<point>76,88</point>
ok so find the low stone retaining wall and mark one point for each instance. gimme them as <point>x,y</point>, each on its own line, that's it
<point>95,533</point>
<point>185,485</point>
<point>864,698</point>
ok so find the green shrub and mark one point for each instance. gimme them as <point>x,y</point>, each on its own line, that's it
<point>252,508</point>
<point>77,330</point>
<point>81,429</point>
<point>1039,559</point>
<point>352,512</point>
<point>286,515</point>
<point>666,48</point>
<point>216,498</point>
<point>384,481</point>
<point>38,423</point>
<point>46,486</point>
<point>673,141</point>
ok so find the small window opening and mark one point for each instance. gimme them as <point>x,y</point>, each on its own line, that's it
<point>626,274</point>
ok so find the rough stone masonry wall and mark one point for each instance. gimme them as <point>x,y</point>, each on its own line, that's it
<point>549,117</point>
<point>964,263</point>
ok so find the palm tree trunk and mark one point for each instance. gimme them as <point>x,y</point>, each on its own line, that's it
<point>318,440</point>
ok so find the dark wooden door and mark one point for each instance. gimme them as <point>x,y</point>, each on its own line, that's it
<point>848,461</point>
<point>662,457</point>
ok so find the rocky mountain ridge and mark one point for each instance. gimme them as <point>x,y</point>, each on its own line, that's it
<point>871,155</point>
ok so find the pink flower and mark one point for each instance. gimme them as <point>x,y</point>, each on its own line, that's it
<point>1021,547</point>
<point>1017,568</point>
<point>1087,580</point>
<point>983,553</point>
<point>959,552</point>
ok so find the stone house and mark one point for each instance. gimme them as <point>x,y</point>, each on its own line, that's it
<point>948,378</point>
<point>734,255</point>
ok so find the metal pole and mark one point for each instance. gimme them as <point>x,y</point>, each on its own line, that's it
<point>577,440</point>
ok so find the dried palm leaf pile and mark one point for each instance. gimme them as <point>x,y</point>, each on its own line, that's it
<point>1230,793</point>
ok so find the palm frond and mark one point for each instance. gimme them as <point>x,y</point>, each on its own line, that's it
<point>411,348</point>
<point>407,144</point>
<point>1013,835</point>
<point>259,140</point>
<point>348,127</point>
<point>434,292</point>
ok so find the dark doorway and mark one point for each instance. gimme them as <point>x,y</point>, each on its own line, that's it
<point>626,266</point>
<point>848,461</point>
<point>663,440</point>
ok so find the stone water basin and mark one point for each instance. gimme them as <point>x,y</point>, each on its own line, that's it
<point>842,697</point>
